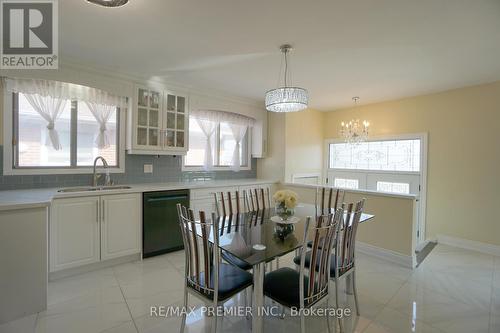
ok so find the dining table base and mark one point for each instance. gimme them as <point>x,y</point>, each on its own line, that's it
<point>258,298</point>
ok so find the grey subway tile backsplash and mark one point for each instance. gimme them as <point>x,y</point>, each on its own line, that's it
<point>165,169</point>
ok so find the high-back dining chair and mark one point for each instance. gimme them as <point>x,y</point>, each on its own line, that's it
<point>328,199</point>
<point>257,199</point>
<point>343,260</point>
<point>206,277</point>
<point>304,289</point>
<point>227,203</point>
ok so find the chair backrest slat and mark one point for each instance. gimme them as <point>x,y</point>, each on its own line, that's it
<point>202,257</point>
<point>227,203</point>
<point>325,232</point>
<point>257,199</point>
<point>325,204</point>
<point>348,244</point>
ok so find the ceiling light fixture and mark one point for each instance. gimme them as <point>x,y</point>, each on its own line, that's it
<point>286,99</point>
<point>109,3</point>
<point>354,132</point>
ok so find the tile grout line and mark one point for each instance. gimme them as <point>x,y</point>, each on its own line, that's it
<point>126,303</point>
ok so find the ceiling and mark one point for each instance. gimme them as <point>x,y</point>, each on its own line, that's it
<point>376,49</point>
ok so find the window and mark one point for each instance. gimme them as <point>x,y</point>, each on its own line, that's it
<point>77,129</point>
<point>401,188</point>
<point>346,183</point>
<point>222,144</point>
<point>392,165</point>
<point>390,155</point>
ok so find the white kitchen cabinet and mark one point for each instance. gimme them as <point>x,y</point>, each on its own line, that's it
<point>74,232</point>
<point>159,122</point>
<point>120,225</point>
<point>87,230</point>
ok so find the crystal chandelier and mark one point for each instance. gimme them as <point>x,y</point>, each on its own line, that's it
<point>286,99</point>
<point>354,131</point>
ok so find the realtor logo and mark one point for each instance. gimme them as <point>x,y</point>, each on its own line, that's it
<point>29,34</point>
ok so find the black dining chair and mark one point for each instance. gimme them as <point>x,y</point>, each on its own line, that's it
<point>296,289</point>
<point>229,204</point>
<point>206,277</point>
<point>343,259</point>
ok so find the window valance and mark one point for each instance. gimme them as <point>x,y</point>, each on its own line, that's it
<point>223,116</point>
<point>64,90</point>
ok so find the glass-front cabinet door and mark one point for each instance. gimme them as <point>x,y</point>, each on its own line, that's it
<point>175,121</point>
<point>149,123</point>
<point>160,122</point>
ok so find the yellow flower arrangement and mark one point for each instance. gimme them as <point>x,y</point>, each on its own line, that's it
<point>286,198</point>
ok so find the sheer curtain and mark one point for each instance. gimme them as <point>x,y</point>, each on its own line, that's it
<point>239,132</point>
<point>210,119</point>
<point>101,113</point>
<point>49,108</point>
<point>208,127</point>
<point>49,98</point>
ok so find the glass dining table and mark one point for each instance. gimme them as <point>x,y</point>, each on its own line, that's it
<point>255,239</point>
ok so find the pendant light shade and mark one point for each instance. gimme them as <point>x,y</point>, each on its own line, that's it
<point>286,99</point>
<point>109,3</point>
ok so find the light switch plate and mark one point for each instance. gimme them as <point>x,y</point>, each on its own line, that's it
<point>148,168</point>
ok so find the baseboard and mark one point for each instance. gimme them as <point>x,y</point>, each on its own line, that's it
<point>469,244</point>
<point>92,267</point>
<point>392,256</point>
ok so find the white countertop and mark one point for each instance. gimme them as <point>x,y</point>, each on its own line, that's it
<point>19,199</point>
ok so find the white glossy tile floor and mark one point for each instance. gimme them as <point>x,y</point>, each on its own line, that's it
<point>453,290</point>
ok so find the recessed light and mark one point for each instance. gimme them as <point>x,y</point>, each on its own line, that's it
<point>109,3</point>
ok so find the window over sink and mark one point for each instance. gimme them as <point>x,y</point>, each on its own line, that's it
<point>59,127</point>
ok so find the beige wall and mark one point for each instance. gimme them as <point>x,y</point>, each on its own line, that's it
<point>463,158</point>
<point>304,143</point>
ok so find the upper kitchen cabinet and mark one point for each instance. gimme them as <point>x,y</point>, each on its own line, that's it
<point>158,123</point>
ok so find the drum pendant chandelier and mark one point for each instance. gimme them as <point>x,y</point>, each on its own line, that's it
<point>286,99</point>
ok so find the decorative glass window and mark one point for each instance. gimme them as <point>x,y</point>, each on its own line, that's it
<point>346,183</point>
<point>390,155</point>
<point>400,188</point>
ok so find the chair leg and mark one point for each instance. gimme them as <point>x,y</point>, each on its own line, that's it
<point>214,319</point>
<point>355,291</point>
<point>183,325</point>
<point>328,317</point>
<point>341,324</point>
<point>302,323</point>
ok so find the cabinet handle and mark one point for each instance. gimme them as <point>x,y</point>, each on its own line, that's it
<point>103,211</point>
<point>97,211</point>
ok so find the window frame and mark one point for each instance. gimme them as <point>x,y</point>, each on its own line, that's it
<point>10,136</point>
<point>421,198</point>
<point>248,154</point>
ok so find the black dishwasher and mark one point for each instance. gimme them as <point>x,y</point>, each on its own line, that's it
<point>160,226</point>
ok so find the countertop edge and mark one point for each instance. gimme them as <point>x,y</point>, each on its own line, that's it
<point>43,197</point>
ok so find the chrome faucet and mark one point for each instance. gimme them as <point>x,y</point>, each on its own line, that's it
<point>107,181</point>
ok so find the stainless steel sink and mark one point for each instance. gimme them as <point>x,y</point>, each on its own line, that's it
<point>92,188</point>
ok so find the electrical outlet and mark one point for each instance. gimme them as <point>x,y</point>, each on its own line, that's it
<point>148,168</point>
